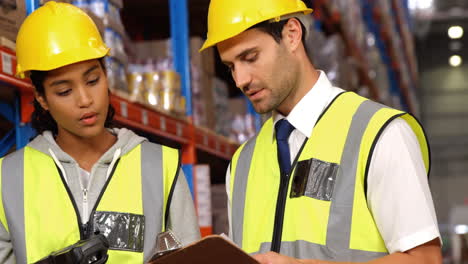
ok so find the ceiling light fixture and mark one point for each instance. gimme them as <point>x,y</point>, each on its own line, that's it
<point>455,61</point>
<point>455,32</point>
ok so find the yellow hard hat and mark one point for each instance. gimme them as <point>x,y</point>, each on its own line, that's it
<point>228,18</point>
<point>56,35</point>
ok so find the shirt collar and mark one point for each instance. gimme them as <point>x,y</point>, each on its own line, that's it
<point>306,112</point>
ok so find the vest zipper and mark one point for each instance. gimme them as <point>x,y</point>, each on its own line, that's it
<point>87,229</point>
<point>281,204</point>
<point>85,201</point>
<point>90,224</point>
<point>70,196</point>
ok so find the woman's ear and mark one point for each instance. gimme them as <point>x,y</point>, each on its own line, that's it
<point>292,34</point>
<point>42,101</point>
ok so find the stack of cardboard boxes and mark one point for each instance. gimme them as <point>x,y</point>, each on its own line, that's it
<point>152,79</point>
<point>12,14</point>
<point>203,96</point>
<point>209,95</point>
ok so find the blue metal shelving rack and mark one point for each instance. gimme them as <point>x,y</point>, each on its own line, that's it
<point>21,133</point>
<point>178,10</point>
<point>374,28</point>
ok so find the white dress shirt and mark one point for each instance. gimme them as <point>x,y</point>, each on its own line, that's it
<point>398,192</point>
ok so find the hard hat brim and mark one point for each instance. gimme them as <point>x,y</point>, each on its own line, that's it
<point>212,42</point>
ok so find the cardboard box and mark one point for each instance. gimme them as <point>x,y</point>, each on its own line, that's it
<point>7,43</point>
<point>117,3</point>
<point>204,60</point>
<point>203,194</point>
<point>153,49</point>
<point>12,15</point>
<point>219,204</point>
<point>209,250</point>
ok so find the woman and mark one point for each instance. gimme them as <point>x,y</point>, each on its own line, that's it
<point>79,177</point>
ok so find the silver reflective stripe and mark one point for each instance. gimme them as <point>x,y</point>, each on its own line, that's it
<point>153,194</point>
<point>306,250</point>
<point>239,190</point>
<point>13,201</point>
<point>124,231</point>
<point>339,221</point>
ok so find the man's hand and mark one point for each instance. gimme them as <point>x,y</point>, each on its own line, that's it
<point>275,258</point>
<point>427,253</point>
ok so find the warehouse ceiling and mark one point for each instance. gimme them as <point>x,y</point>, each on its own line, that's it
<point>435,16</point>
<point>443,5</point>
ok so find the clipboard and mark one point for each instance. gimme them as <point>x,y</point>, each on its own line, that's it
<point>209,250</point>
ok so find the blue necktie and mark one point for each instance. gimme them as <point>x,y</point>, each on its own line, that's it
<point>283,129</point>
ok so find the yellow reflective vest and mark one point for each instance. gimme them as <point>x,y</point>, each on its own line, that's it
<point>318,210</point>
<point>39,212</point>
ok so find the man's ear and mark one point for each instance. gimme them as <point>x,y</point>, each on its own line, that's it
<point>42,101</point>
<point>292,34</point>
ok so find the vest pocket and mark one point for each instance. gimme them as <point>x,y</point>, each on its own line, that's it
<point>314,178</point>
<point>124,231</point>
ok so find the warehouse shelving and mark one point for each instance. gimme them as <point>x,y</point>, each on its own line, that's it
<point>132,115</point>
<point>394,61</point>
<point>408,43</point>
<point>332,20</point>
<point>10,103</point>
<point>164,125</point>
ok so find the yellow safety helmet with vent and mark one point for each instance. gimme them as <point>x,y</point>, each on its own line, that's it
<point>56,35</point>
<point>228,18</point>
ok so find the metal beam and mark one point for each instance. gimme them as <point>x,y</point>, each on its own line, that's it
<point>7,142</point>
<point>7,111</point>
<point>180,48</point>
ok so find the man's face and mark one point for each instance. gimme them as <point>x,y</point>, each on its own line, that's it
<point>262,68</point>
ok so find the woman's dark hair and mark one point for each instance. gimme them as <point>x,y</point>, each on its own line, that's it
<point>275,29</point>
<point>41,120</point>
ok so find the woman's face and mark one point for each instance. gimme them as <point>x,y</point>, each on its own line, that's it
<point>77,97</point>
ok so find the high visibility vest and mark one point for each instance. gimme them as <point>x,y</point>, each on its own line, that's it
<point>318,210</point>
<point>39,212</point>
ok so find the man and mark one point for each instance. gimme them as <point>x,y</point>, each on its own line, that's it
<point>332,177</point>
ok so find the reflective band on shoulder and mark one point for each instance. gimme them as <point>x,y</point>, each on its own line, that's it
<point>239,191</point>
<point>152,188</point>
<point>13,201</point>
<point>306,250</point>
<point>339,222</point>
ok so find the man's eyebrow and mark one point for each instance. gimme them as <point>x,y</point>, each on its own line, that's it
<point>245,52</point>
<point>240,55</point>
